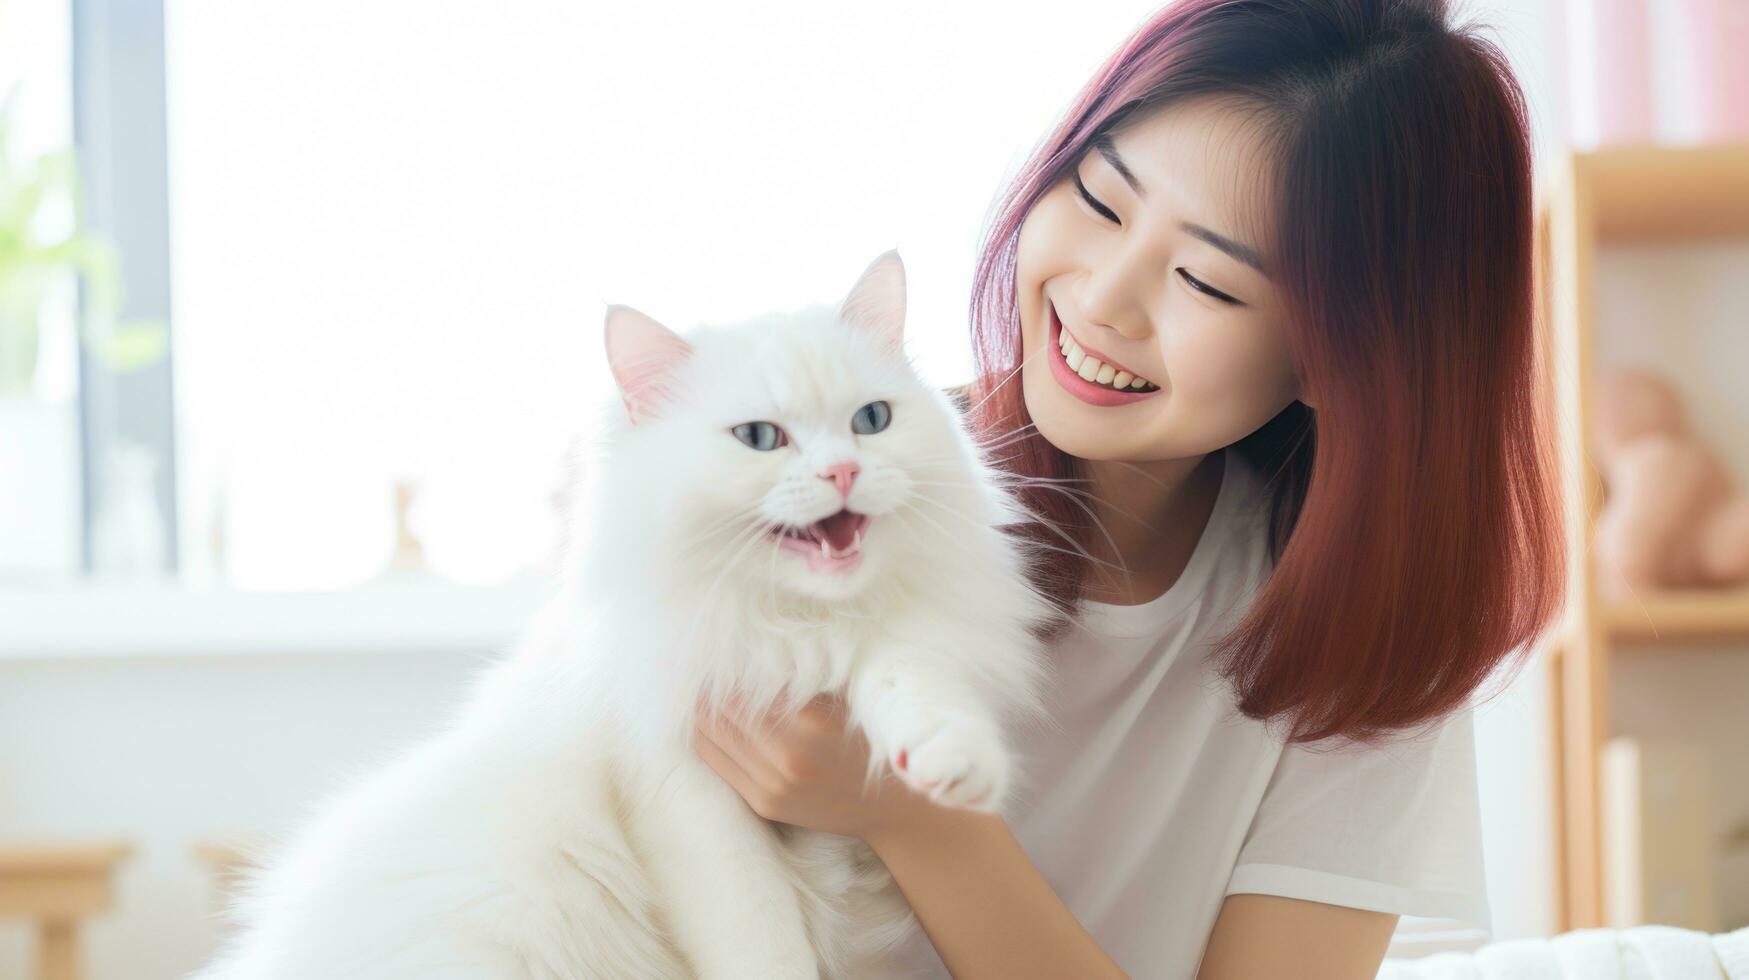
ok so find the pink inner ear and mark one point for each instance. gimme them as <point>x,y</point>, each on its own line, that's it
<point>877,302</point>
<point>642,355</point>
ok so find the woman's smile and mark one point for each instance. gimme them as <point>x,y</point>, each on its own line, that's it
<point>1091,377</point>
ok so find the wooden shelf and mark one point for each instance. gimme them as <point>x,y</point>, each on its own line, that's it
<point>1653,193</point>
<point>1681,617</point>
<point>1588,201</point>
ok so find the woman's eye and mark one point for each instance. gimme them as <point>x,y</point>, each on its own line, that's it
<point>1203,287</point>
<point>763,436</point>
<point>871,418</point>
<point>1093,202</point>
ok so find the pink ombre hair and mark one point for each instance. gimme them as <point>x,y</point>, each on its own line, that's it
<point>1415,523</point>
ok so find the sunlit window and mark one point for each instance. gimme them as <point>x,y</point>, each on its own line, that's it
<point>39,421</point>
<point>393,235</point>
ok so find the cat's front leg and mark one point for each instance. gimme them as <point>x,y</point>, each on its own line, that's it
<point>729,898</point>
<point>941,739</point>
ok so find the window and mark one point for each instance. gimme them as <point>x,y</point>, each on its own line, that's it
<point>394,230</point>
<point>39,418</point>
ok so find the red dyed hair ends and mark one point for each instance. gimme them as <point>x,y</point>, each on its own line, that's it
<point>1415,517</point>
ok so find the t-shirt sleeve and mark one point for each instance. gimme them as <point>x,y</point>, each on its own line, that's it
<point>1390,827</point>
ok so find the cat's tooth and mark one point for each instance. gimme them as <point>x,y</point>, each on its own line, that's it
<point>858,545</point>
<point>1106,373</point>
<point>1074,357</point>
<point>1122,379</point>
<point>825,548</point>
<point>1090,368</point>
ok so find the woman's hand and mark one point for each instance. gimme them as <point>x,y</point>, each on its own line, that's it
<point>810,774</point>
<point>987,910</point>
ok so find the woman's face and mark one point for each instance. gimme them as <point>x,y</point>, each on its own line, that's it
<point>1157,276</point>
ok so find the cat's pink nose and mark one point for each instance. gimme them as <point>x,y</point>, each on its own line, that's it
<point>843,474</point>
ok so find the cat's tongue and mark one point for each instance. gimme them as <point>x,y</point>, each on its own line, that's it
<point>840,529</point>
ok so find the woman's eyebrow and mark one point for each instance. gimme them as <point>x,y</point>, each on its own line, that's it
<point>1244,253</point>
<point>1103,144</point>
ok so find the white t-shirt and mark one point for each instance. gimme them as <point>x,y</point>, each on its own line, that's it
<point>1157,798</point>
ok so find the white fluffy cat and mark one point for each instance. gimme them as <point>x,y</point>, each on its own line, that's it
<point>782,506</point>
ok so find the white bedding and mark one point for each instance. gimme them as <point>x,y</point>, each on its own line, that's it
<point>1637,953</point>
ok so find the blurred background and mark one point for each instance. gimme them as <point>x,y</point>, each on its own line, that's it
<point>299,312</point>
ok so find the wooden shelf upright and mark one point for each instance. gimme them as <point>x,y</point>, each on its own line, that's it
<point>1626,195</point>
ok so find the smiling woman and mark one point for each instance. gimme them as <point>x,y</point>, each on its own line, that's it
<point>1311,236</point>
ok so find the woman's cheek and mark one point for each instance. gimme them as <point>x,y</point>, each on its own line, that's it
<point>1236,386</point>
<point>1045,241</point>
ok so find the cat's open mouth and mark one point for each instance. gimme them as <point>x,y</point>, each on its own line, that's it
<point>831,544</point>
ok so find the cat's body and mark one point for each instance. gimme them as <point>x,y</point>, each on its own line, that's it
<point>563,826</point>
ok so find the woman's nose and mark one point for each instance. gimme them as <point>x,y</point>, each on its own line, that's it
<point>1112,295</point>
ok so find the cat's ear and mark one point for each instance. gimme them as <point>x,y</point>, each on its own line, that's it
<point>877,302</point>
<point>643,355</point>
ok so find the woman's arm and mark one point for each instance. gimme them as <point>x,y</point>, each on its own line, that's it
<point>991,914</point>
<point>986,908</point>
<point>984,905</point>
<point>1272,936</point>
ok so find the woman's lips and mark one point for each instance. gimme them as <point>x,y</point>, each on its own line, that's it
<point>1074,384</point>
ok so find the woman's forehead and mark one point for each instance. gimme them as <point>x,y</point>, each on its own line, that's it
<point>1207,160</point>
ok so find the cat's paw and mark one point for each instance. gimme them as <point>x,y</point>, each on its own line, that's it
<point>955,761</point>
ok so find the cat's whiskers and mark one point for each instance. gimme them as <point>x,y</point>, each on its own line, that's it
<point>959,461</point>
<point>734,521</point>
<point>1078,551</point>
<point>1029,544</point>
<point>1144,474</point>
<point>1011,437</point>
<point>1098,524</point>
<point>753,533</point>
<point>1005,381</point>
<point>1047,484</point>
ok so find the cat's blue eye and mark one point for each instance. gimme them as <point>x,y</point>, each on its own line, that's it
<point>871,418</point>
<point>763,436</point>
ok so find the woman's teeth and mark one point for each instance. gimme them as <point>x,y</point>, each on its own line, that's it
<point>1090,368</point>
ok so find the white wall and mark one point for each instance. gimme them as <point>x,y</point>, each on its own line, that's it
<point>162,751</point>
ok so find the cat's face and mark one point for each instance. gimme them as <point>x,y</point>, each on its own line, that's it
<point>797,452</point>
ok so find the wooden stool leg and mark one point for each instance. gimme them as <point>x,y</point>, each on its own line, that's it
<point>60,950</point>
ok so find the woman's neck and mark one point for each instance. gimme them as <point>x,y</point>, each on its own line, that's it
<point>1153,514</point>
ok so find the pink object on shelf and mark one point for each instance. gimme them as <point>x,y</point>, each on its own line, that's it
<point>1622,78</point>
<point>1714,35</point>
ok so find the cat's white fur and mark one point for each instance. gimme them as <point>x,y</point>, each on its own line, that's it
<point>562,826</point>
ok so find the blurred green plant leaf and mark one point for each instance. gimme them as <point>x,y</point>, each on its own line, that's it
<point>132,345</point>
<point>32,258</point>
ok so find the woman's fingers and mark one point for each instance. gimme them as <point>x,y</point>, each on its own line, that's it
<point>734,743</point>
<point>724,764</point>
<point>781,758</point>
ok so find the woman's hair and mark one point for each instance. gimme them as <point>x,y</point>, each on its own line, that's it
<point>1414,519</point>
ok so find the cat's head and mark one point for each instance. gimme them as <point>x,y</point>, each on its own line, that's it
<point>796,452</point>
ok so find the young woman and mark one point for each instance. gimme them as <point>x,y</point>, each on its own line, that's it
<point>1256,318</point>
